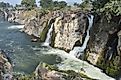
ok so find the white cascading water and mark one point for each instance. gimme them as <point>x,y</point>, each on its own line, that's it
<point>16,27</point>
<point>6,15</point>
<point>78,51</point>
<point>49,34</point>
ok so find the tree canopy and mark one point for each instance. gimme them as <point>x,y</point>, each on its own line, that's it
<point>5,5</point>
<point>107,7</point>
<point>52,4</point>
<point>28,3</point>
<point>46,3</point>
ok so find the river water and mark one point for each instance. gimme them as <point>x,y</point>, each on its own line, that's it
<point>24,54</point>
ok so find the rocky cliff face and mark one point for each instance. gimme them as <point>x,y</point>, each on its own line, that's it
<point>104,45</point>
<point>37,27</point>
<point>2,15</point>
<point>16,17</point>
<point>68,28</point>
<point>20,16</point>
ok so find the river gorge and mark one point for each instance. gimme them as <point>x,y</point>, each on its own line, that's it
<point>80,41</point>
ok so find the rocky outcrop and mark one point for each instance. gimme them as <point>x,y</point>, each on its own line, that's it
<point>20,16</point>
<point>16,17</point>
<point>51,72</point>
<point>102,47</point>
<point>5,67</point>
<point>37,27</point>
<point>68,28</point>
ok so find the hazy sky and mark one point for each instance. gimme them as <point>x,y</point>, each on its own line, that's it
<point>13,2</point>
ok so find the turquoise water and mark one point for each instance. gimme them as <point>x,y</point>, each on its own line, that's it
<point>24,54</point>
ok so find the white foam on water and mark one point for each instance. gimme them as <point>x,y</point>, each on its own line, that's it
<point>70,62</point>
<point>16,27</point>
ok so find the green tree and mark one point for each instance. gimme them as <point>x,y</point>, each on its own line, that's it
<point>28,3</point>
<point>50,4</point>
<point>76,4</point>
<point>98,4</point>
<point>5,5</point>
<point>86,5</point>
<point>108,7</point>
<point>62,4</point>
<point>56,3</point>
<point>46,3</point>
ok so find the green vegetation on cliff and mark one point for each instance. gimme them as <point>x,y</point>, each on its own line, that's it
<point>28,3</point>
<point>107,7</point>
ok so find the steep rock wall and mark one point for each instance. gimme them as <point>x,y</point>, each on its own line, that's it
<point>67,32</point>
<point>102,47</point>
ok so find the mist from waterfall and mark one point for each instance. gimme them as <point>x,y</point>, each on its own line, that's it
<point>78,51</point>
<point>49,34</point>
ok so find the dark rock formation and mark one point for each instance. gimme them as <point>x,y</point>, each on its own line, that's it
<point>102,47</point>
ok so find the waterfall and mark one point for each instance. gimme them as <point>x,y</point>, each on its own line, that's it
<point>49,34</point>
<point>78,51</point>
<point>6,15</point>
<point>16,27</point>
